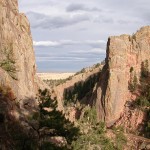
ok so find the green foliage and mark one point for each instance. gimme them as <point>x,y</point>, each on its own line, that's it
<point>50,146</point>
<point>97,65</point>
<point>8,63</point>
<point>147,125</point>
<point>54,120</point>
<point>90,115</point>
<point>120,140</point>
<point>131,69</point>
<point>81,71</point>
<point>21,139</point>
<point>142,101</point>
<point>13,134</point>
<point>144,69</point>
<point>80,89</point>
<point>93,138</point>
<point>93,133</point>
<point>133,84</point>
<point>93,141</point>
<point>101,127</point>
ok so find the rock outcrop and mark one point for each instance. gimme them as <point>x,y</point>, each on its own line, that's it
<point>69,84</point>
<point>123,53</point>
<point>18,69</point>
<point>17,59</point>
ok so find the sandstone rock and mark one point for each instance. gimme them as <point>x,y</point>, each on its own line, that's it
<point>148,146</point>
<point>15,38</point>
<point>69,84</point>
<point>123,52</point>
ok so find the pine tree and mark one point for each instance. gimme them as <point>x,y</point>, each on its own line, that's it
<point>52,123</point>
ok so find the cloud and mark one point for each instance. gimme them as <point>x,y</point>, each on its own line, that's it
<point>67,59</point>
<point>74,56</point>
<point>96,43</point>
<point>46,43</point>
<point>83,22</point>
<point>98,51</point>
<point>52,22</point>
<point>61,43</point>
<point>80,7</point>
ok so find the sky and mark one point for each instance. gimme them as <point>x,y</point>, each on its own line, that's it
<point>69,35</point>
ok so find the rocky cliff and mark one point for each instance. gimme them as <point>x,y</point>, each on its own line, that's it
<point>17,64</point>
<point>125,54</point>
<point>17,59</point>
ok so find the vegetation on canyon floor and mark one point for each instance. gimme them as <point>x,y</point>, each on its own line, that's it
<point>43,127</point>
<point>94,135</point>
<point>50,130</point>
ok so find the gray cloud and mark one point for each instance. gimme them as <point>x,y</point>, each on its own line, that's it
<point>80,7</point>
<point>62,43</point>
<point>84,22</point>
<point>51,22</point>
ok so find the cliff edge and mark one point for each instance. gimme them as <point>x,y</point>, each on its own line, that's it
<point>123,53</point>
<point>17,59</point>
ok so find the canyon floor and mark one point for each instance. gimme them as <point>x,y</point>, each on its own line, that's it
<point>54,76</point>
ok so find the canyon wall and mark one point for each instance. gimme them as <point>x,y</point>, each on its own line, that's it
<point>17,59</point>
<point>18,69</point>
<point>123,53</point>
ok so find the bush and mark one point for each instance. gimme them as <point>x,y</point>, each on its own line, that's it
<point>142,102</point>
<point>144,69</point>
<point>97,65</point>
<point>93,139</point>
<point>133,84</point>
<point>131,69</point>
<point>90,115</point>
<point>120,140</point>
<point>8,63</point>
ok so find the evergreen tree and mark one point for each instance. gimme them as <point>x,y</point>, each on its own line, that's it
<point>52,123</point>
<point>144,69</point>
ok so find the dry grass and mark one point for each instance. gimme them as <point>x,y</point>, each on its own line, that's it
<point>54,76</point>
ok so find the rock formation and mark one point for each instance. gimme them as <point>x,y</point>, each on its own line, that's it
<point>18,69</point>
<point>123,53</point>
<point>17,57</point>
<point>80,77</point>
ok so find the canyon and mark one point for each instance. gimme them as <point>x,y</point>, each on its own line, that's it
<point>109,92</point>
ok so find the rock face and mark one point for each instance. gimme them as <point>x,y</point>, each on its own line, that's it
<point>59,91</point>
<point>123,53</point>
<point>16,50</point>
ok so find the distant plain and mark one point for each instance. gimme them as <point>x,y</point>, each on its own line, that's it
<point>54,76</point>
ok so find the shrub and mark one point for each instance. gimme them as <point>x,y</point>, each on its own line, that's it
<point>120,140</point>
<point>8,63</point>
<point>144,69</point>
<point>90,115</point>
<point>133,84</point>
<point>131,69</point>
<point>93,140</point>
<point>97,65</point>
<point>142,101</point>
